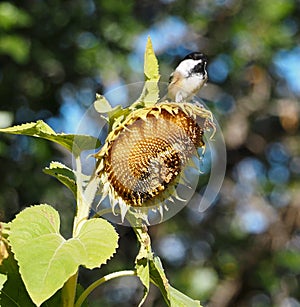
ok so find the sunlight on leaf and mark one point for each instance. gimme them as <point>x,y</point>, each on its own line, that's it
<point>114,115</point>
<point>102,105</point>
<point>151,68</point>
<point>46,259</point>
<point>64,174</point>
<point>150,93</point>
<point>179,299</point>
<point>100,241</point>
<point>72,142</point>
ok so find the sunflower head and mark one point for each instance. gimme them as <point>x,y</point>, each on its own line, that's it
<point>145,155</point>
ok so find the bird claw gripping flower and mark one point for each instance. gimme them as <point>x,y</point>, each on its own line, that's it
<point>143,159</point>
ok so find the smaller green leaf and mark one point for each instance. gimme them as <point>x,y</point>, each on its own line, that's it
<point>149,268</point>
<point>144,257</point>
<point>102,105</point>
<point>172,296</point>
<point>72,142</point>
<point>114,115</point>
<point>64,174</point>
<point>142,271</point>
<point>99,240</point>
<point>151,68</point>
<point>159,278</point>
<point>33,129</point>
<point>150,93</point>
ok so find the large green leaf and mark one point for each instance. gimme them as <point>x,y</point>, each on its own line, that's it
<point>14,293</point>
<point>72,142</point>
<point>46,259</point>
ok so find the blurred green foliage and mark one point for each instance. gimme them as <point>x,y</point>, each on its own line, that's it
<point>55,55</point>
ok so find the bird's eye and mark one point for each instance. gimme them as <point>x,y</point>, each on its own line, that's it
<point>199,68</point>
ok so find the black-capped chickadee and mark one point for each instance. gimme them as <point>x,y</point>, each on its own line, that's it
<point>188,78</point>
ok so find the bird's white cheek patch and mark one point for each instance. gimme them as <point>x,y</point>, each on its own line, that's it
<point>186,66</point>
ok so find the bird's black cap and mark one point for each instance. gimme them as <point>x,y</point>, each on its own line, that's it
<point>196,56</point>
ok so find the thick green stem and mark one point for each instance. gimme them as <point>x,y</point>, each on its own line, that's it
<point>69,291</point>
<point>83,209</point>
<point>100,281</point>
